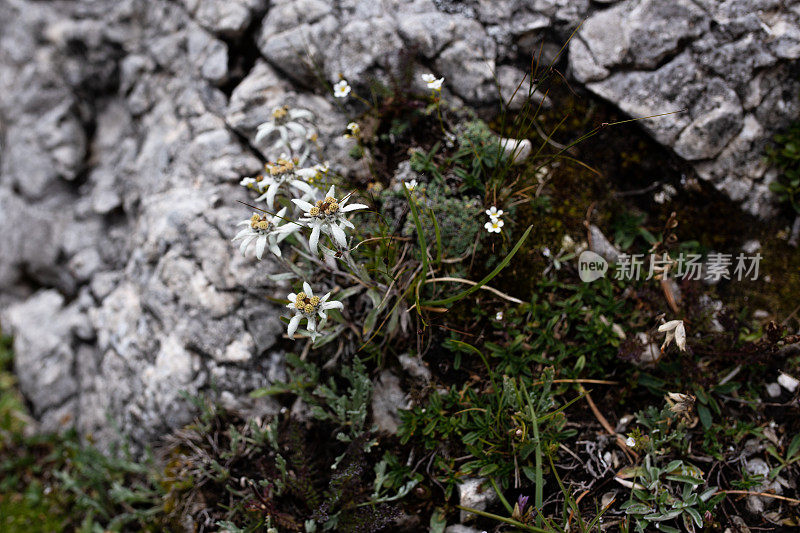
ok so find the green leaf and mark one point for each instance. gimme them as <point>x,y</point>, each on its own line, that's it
<point>438,521</point>
<point>674,465</point>
<point>663,517</point>
<point>370,321</point>
<point>488,469</point>
<point>777,187</point>
<point>705,416</point>
<point>325,339</point>
<point>698,520</point>
<point>685,479</point>
<point>793,448</point>
<point>423,245</point>
<point>580,364</point>
<point>529,472</point>
<point>438,233</point>
<point>636,508</point>
<point>708,493</point>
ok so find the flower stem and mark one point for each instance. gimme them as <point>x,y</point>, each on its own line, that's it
<point>503,519</point>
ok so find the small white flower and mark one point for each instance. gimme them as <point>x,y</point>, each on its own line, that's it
<point>250,183</point>
<point>411,185</point>
<point>309,307</point>
<point>433,82</point>
<point>265,232</point>
<point>284,120</point>
<point>665,194</point>
<point>494,213</point>
<point>630,442</point>
<point>674,330</point>
<point>327,216</point>
<point>499,316</point>
<point>341,89</point>
<point>354,129</point>
<point>546,252</point>
<point>313,175</point>
<point>494,225</point>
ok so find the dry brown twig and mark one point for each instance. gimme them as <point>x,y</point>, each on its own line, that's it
<point>604,422</point>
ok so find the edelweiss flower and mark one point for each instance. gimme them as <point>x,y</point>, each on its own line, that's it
<point>278,173</point>
<point>411,185</point>
<point>283,121</point>
<point>306,305</point>
<point>433,83</point>
<point>494,213</point>
<point>674,330</point>
<point>327,216</point>
<point>494,225</point>
<point>265,232</point>
<point>341,89</point>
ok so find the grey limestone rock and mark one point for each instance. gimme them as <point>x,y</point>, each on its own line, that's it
<point>723,67</point>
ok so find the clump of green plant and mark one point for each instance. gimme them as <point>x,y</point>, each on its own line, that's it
<point>113,488</point>
<point>790,457</point>
<point>346,409</point>
<point>477,156</point>
<point>287,473</point>
<point>504,429</point>
<point>565,325</point>
<point>54,482</point>
<point>784,154</point>
<point>664,493</point>
<point>27,464</point>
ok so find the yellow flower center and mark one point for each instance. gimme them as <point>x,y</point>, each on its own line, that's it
<point>281,166</point>
<point>259,222</point>
<point>280,113</point>
<point>306,304</point>
<point>328,206</point>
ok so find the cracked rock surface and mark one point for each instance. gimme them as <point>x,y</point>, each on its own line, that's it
<point>730,68</point>
<point>125,126</point>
